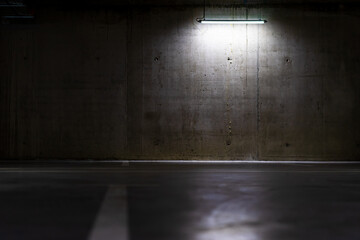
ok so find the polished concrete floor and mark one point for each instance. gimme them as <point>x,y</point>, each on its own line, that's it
<point>141,201</point>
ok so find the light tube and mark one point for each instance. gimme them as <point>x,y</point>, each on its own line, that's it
<point>232,21</point>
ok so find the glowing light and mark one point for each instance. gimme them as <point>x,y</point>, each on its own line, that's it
<point>232,21</point>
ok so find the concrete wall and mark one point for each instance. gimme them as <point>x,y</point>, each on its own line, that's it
<point>152,83</point>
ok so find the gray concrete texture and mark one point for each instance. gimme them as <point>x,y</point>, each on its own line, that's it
<point>152,83</point>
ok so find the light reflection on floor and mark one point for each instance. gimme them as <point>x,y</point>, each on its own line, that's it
<point>180,201</point>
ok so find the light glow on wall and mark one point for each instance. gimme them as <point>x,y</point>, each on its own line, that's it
<point>223,38</point>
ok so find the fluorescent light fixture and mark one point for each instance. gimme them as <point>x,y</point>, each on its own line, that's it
<point>203,21</point>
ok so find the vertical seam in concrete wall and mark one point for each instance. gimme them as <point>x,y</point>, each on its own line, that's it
<point>126,81</point>
<point>7,93</point>
<point>36,100</point>
<point>322,91</point>
<point>142,87</point>
<point>12,103</point>
<point>323,117</point>
<point>34,120</point>
<point>134,69</point>
<point>246,59</point>
<point>257,97</point>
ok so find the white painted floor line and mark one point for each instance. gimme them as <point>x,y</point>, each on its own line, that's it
<point>111,222</point>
